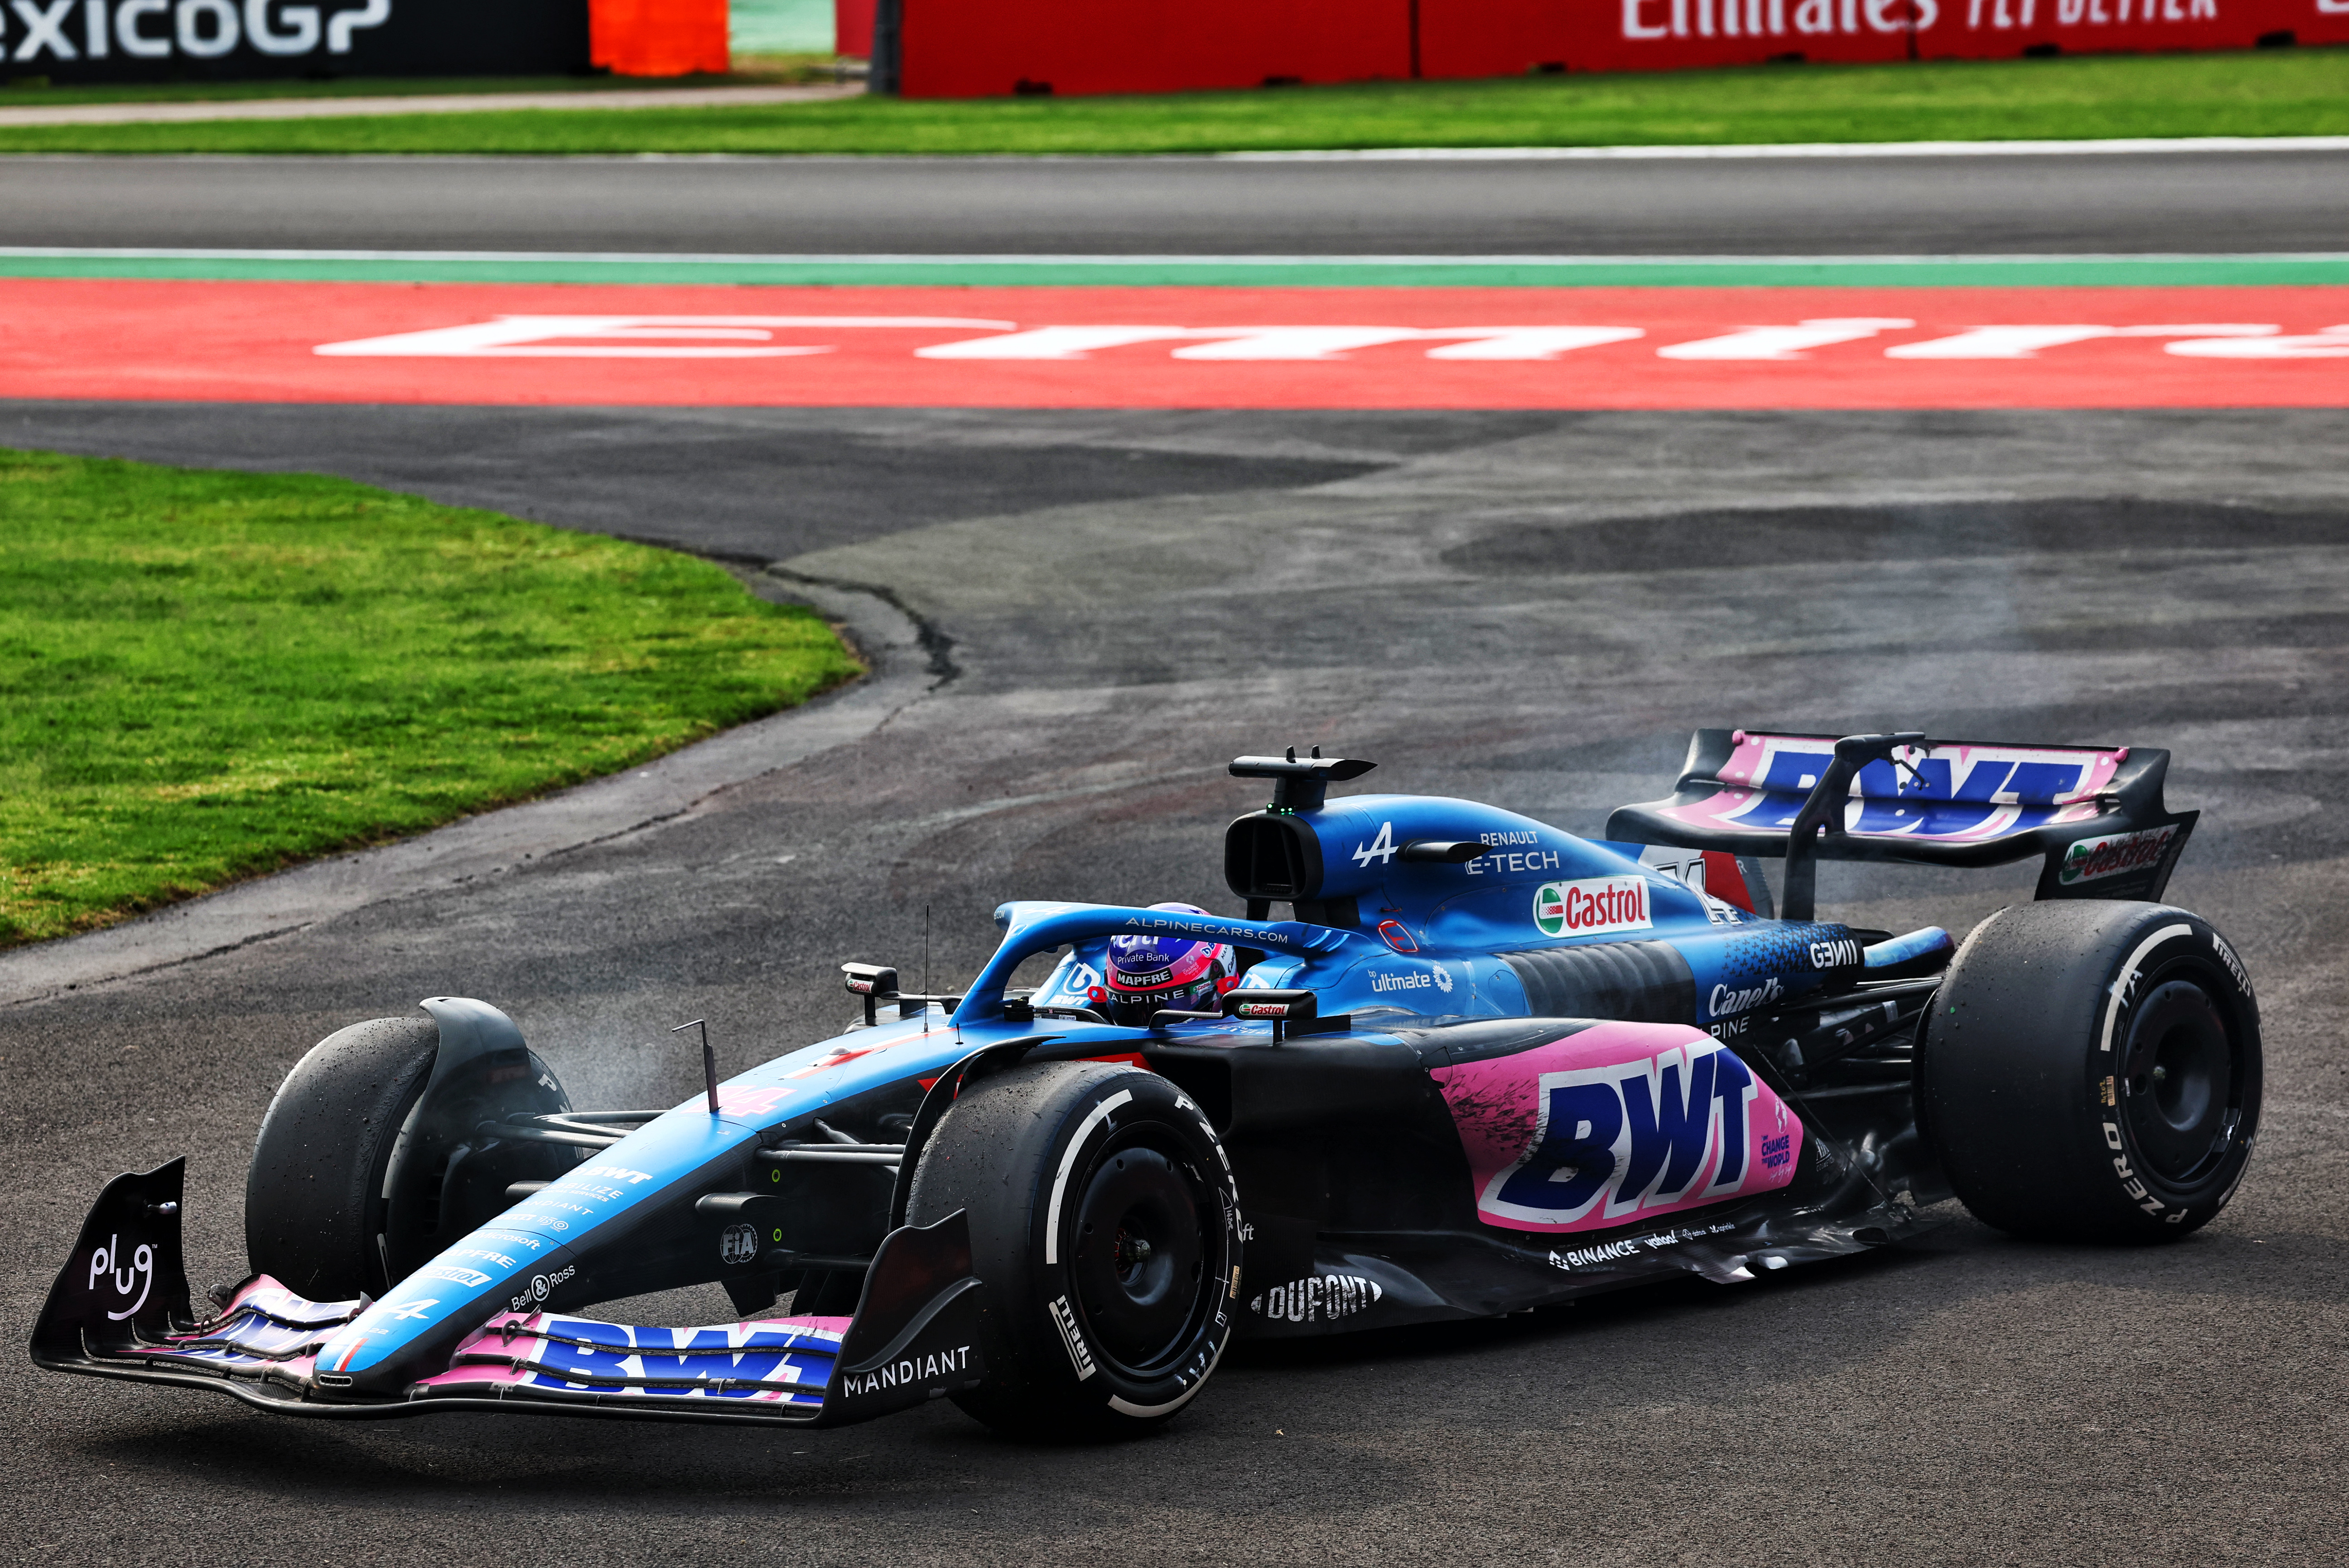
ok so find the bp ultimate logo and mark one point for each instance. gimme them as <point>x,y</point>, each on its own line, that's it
<point>1683,1128</point>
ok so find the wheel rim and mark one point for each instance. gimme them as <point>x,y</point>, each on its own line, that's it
<point>1140,1253</point>
<point>2181,1083</point>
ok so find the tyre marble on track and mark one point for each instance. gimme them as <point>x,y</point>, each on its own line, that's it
<point>1966,1398</point>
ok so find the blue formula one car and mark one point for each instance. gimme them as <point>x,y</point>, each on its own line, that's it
<point>1486,1066</point>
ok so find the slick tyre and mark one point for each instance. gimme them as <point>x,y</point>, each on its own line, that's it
<point>359,1175</point>
<point>315,1203</point>
<point>1104,1224</point>
<point>2091,1071</point>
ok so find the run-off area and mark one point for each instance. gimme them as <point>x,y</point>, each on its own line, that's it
<point>1178,346</point>
<point>1417,590</point>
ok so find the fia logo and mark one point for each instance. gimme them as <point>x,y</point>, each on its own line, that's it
<point>739,1244</point>
<point>1381,849</point>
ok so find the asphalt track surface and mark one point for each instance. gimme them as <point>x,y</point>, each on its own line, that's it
<point>1533,609</point>
<point>2286,201</point>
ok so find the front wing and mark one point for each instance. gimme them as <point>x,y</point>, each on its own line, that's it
<point>121,1309</point>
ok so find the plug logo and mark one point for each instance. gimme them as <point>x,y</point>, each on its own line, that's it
<point>141,1274</point>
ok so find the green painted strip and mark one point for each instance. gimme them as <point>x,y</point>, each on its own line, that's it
<point>1228,272</point>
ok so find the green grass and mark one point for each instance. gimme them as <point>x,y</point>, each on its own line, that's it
<point>2262,93</point>
<point>751,70</point>
<point>205,675</point>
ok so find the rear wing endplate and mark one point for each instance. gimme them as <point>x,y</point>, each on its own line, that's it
<point>2094,814</point>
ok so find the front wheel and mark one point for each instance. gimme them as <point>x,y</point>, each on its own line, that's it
<point>2091,1071</point>
<point>356,1179</point>
<point>1105,1223</point>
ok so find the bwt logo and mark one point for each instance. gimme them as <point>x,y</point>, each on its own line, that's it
<point>201,29</point>
<point>2023,788</point>
<point>1670,1129</point>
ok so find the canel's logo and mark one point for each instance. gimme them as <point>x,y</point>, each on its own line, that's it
<point>1592,906</point>
<point>1727,1001</point>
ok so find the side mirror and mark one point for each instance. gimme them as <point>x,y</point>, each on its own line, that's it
<point>1283,1009</point>
<point>874,982</point>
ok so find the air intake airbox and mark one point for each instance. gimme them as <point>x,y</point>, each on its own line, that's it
<point>1268,855</point>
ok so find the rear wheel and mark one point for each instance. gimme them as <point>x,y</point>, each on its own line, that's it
<point>1105,1223</point>
<point>2091,1071</point>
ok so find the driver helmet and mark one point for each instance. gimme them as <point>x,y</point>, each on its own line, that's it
<point>1153,974</point>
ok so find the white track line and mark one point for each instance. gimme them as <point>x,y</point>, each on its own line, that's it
<point>2119,144</point>
<point>418,103</point>
<point>631,258</point>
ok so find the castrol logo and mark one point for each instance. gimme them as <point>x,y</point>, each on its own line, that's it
<point>2092,859</point>
<point>1592,906</point>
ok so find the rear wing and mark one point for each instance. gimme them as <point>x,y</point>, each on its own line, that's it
<point>2095,814</point>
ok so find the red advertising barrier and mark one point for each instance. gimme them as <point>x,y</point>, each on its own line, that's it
<point>852,28</point>
<point>975,48</point>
